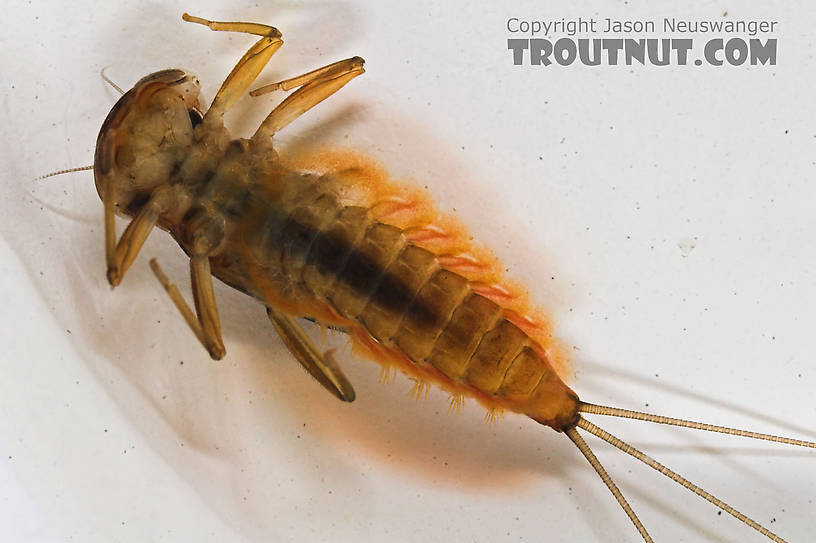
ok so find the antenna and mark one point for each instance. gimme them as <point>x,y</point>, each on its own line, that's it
<point>60,172</point>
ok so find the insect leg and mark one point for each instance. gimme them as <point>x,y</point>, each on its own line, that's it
<point>206,308</point>
<point>206,234</point>
<point>335,68</point>
<point>173,291</point>
<point>317,86</point>
<point>250,65</point>
<point>122,254</point>
<point>206,327</point>
<point>322,367</point>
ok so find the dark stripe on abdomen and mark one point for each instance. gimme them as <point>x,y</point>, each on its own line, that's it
<point>396,291</point>
<point>332,248</point>
<point>302,229</point>
<point>366,268</point>
<point>369,272</point>
<point>357,263</point>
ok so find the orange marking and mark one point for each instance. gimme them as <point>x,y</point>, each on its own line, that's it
<point>463,264</point>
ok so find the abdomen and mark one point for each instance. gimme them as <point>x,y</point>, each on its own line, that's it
<point>398,298</point>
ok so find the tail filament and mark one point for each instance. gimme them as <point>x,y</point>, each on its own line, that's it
<point>649,461</point>
<point>576,438</point>
<point>572,433</point>
<point>637,415</point>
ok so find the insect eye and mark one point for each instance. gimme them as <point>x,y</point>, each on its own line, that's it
<point>195,117</point>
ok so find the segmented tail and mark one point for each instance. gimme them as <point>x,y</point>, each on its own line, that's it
<point>579,442</point>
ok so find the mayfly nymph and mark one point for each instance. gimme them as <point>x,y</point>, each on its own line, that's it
<point>343,247</point>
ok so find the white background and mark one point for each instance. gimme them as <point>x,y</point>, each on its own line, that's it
<point>591,184</point>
